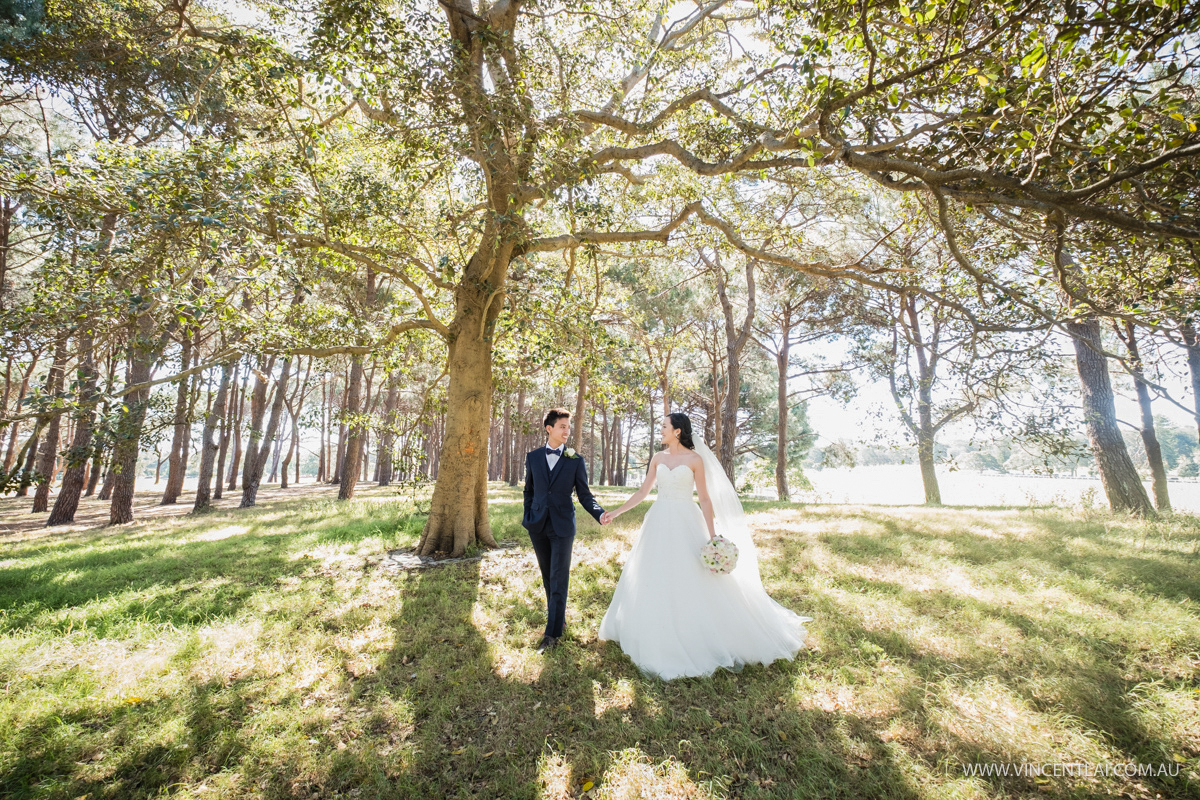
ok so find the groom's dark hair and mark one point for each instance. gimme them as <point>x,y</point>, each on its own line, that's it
<point>554,415</point>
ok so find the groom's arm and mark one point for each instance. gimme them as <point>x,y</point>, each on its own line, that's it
<point>585,494</point>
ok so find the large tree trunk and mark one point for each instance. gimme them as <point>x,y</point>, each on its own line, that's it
<point>1121,483</point>
<point>181,429</point>
<point>49,452</point>
<point>129,428</point>
<point>67,502</point>
<point>1162,497</point>
<point>458,515</point>
<point>256,455</point>
<point>352,454</point>
<point>208,447</point>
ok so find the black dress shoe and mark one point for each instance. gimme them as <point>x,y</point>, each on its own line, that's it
<point>548,643</point>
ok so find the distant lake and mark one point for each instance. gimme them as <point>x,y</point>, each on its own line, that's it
<point>900,484</point>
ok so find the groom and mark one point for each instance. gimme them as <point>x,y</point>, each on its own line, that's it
<point>551,472</point>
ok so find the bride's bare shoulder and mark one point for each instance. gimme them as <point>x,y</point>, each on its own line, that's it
<point>694,461</point>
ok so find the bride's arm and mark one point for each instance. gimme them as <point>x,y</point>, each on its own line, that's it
<point>705,501</point>
<point>640,494</point>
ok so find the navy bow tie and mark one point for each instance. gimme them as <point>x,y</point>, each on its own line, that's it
<point>556,452</point>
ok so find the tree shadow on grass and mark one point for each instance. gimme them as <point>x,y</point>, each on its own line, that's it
<point>1053,668</point>
<point>182,583</point>
<point>583,713</point>
<point>53,751</point>
<point>171,577</point>
<point>1165,571</point>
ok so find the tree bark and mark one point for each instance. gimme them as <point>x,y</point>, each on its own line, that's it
<point>516,462</point>
<point>782,360</point>
<point>506,466</point>
<point>67,502</point>
<point>94,472</point>
<point>735,343</point>
<point>580,397</point>
<point>209,448</point>
<point>30,456</point>
<point>1122,485</point>
<point>258,413</point>
<point>1162,497</point>
<point>294,407</point>
<point>110,477</point>
<point>1192,347</point>
<point>352,455</point>
<point>340,453</point>
<point>10,455</point>
<point>605,448</point>
<point>227,421</point>
<point>256,455</point>
<point>458,514</point>
<point>180,432</point>
<point>49,451</point>
<point>236,430</point>
<point>321,444</point>
<point>129,428</point>
<point>387,438</point>
<point>623,468</point>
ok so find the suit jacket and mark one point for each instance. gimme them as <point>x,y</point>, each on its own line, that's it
<point>548,493</point>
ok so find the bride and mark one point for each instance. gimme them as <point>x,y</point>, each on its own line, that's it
<point>671,615</point>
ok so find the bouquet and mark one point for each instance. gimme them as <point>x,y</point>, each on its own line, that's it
<point>719,555</point>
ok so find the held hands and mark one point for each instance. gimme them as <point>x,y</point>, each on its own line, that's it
<point>607,517</point>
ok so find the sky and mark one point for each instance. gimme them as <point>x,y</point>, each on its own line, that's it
<point>857,423</point>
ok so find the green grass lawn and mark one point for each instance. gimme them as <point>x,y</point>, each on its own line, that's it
<point>268,653</point>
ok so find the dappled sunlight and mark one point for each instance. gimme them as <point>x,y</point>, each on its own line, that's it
<point>634,776</point>
<point>223,532</point>
<point>295,663</point>
<point>618,696</point>
<point>992,722</point>
<point>555,777</point>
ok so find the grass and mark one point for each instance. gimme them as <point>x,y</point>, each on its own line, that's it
<point>267,653</point>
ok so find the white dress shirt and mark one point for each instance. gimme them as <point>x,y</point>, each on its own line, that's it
<point>552,458</point>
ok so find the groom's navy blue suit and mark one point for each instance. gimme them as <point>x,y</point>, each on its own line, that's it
<point>550,519</point>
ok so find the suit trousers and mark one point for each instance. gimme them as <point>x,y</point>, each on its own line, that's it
<point>554,559</point>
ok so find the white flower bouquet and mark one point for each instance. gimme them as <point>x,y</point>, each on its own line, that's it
<point>719,555</point>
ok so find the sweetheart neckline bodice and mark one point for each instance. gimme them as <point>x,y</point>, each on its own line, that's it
<point>675,488</point>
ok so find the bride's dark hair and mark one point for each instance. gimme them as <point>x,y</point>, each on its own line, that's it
<point>681,423</point>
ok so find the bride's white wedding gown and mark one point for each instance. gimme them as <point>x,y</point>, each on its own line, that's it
<point>676,619</point>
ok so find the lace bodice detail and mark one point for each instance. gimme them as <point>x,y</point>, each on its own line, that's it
<point>677,483</point>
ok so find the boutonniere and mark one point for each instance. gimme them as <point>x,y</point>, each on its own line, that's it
<point>570,453</point>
